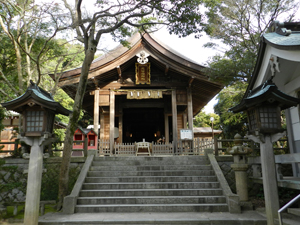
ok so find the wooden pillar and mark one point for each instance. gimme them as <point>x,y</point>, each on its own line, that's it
<point>167,131</point>
<point>190,113</point>
<point>111,120</point>
<point>167,138</point>
<point>101,126</point>
<point>184,118</point>
<point>174,120</point>
<point>190,108</point>
<point>96,111</point>
<point>121,125</point>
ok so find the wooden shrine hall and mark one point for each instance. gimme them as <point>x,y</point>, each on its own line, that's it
<point>145,93</point>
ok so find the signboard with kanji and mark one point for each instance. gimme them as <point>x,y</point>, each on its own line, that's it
<point>186,134</point>
<point>142,73</point>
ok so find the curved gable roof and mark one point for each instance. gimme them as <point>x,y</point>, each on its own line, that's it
<point>104,69</point>
<point>137,42</point>
<point>283,36</point>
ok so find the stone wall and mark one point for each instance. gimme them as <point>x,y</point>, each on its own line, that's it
<point>13,177</point>
<point>225,164</point>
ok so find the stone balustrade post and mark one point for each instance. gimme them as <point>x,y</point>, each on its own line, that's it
<point>240,167</point>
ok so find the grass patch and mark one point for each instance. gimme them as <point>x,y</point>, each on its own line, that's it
<point>21,210</point>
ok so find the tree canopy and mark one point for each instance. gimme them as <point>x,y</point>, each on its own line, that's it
<point>231,123</point>
<point>203,119</point>
<point>27,34</point>
<point>239,25</point>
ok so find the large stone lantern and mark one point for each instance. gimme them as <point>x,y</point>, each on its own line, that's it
<point>263,106</point>
<point>38,110</point>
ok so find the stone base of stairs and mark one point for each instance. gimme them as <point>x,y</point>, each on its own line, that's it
<point>216,218</point>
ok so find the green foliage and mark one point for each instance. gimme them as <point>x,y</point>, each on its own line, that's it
<point>50,180</point>
<point>231,123</point>
<point>239,25</point>
<point>203,120</point>
<point>185,18</point>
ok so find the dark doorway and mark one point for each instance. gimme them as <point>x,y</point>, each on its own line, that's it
<point>143,123</point>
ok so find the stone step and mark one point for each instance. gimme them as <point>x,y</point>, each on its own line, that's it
<point>150,185</point>
<point>151,192</point>
<point>151,200</point>
<point>151,179</point>
<point>150,173</point>
<point>151,168</point>
<point>152,208</point>
<point>144,160</point>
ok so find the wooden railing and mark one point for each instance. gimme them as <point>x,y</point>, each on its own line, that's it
<point>162,149</point>
<point>124,149</point>
<point>14,148</point>
<point>104,148</point>
<point>184,148</point>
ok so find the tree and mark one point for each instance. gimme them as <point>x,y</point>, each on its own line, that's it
<point>118,18</point>
<point>203,120</point>
<point>28,29</point>
<point>231,123</point>
<point>239,25</point>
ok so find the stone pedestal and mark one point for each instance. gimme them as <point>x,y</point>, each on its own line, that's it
<point>269,174</point>
<point>240,167</point>
<point>240,171</point>
<point>34,179</point>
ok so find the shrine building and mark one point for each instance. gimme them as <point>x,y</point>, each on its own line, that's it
<point>145,93</point>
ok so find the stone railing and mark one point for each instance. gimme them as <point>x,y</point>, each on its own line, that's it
<point>288,181</point>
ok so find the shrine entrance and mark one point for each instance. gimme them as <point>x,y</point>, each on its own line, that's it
<point>147,91</point>
<point>143,123</point>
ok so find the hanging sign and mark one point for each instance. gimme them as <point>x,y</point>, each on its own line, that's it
<point>142,73</point>
<point>186,134</point>
<point>144,94</point>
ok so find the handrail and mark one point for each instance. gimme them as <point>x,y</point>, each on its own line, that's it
<point>233,200</point>
<point>286,206</point>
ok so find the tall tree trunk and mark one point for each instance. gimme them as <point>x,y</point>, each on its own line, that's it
<point>19,68</point>
<point>68,143</point>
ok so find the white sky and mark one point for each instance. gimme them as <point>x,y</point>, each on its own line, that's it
<point>193,49</point>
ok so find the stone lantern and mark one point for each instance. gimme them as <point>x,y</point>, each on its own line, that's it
<point>263,106</point>
<point>38,110</point>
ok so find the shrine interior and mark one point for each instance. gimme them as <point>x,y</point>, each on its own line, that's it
<point>143,123</point>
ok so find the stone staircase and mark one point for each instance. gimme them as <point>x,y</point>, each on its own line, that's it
<point>151,184</point>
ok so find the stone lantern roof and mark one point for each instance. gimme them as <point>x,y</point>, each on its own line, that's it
<point>266,93</point>
<point>35,95</point>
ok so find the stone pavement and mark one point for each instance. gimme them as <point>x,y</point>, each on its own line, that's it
<point>245,218</point>
<point>257,217</point>
<point>248,217</point>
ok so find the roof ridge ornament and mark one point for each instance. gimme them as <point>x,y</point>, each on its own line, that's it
<point>279,28</point>
<point>142,57</point>
<point>274,63</point>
